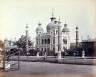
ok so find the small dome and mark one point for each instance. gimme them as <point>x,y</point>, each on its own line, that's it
<point>65,29</point>
<point>39,28</point>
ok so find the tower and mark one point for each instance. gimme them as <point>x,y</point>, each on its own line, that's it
<point>77,36</point>
<point>27,39</point>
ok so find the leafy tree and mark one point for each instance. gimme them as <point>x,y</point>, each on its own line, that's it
<point>21,43</point>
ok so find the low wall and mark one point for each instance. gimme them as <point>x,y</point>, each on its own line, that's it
<point>52,59</point>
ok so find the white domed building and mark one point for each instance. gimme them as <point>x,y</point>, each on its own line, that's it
<point>48,41</point>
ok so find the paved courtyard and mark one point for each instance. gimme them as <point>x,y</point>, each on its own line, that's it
<point>41,69</point>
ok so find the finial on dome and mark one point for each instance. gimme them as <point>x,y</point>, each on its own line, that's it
<point>65,21</point>
<point>39,23</point>
<point>55,21</point>
<point>59,17</point>
<point>52,18</point>
<point>77,27</point>
<point>59,20</point>
<point>52,13</point>
<point>26,25</point>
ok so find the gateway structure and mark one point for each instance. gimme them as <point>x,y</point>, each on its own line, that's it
<point>54,39</point>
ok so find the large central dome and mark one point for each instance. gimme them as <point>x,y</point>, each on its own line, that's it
<point>52,25</point>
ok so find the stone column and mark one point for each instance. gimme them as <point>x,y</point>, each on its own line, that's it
<point>59,39</point>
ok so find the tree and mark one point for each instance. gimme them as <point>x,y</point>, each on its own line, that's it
<point>21,43</point>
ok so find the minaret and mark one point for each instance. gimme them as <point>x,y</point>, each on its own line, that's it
<point>81,38</point>
<point>27,39</point>
<point>59,39</point>
<point>77,36</point>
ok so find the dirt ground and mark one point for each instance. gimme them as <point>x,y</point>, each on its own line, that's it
<point>41,69</point>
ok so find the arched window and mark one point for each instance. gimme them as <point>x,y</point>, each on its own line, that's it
<point>48,49</point>
<point>42,41</point>
<point>45,41</point>
<point>41,49</point>
<point>37,41</point>
<point>65,41</point>
<point>53,48</point>
<point>54,41</point>
<point>56,31</point>
<point>48,41</point>
<point>45,49</point>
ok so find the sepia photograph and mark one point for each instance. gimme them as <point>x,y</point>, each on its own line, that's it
<point>47,38</point>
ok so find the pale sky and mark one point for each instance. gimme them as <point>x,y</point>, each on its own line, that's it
<point>15,14</point>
